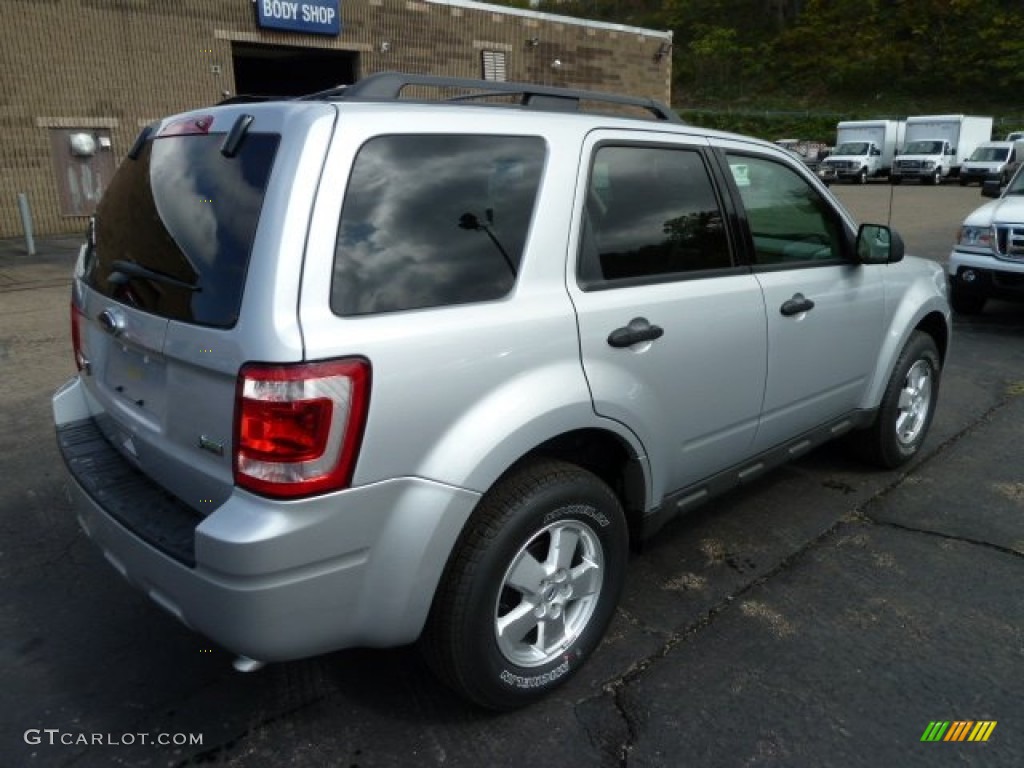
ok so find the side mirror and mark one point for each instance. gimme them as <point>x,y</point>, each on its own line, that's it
<point>990,188</point>
<point>878,244</point>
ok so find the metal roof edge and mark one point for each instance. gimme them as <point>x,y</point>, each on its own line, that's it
<point>542,16</point>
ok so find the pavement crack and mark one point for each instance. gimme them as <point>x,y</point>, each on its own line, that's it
<point>622,710</point>
<point>949,537</point>
<point>215,753</point>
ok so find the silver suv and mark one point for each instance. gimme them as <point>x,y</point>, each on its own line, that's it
<point>360,370</point>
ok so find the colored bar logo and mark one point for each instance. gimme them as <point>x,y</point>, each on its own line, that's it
<point>958,730</point>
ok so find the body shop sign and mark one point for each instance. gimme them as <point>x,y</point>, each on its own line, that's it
<point>316,17</point>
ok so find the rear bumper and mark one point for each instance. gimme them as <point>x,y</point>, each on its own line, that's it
<point>267,579</point>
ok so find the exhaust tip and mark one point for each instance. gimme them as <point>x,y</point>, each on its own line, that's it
<point>245,664</point>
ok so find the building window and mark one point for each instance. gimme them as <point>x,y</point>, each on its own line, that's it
<point>493,65</point>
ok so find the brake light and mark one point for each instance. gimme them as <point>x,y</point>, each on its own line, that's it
<point>188,126</point>
<point>298,427</point>
<point>76,336</point>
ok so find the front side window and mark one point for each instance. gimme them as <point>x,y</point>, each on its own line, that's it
<point>651,214</point>
<point>434,220</point>
<point>791,223</point>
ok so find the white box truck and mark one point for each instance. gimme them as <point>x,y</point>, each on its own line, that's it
<point>937,145</point>
<point>864,150</point>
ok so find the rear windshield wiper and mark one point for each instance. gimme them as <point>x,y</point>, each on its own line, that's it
<point>125,271</point>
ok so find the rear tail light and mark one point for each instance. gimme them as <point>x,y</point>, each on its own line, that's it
<point>188,126</point>
<point>77,318</point>
<point>298,427</point>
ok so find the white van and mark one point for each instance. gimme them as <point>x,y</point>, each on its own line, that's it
<point>993,160</point>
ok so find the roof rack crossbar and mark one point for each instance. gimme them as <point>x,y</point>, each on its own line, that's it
<point>388,86</point>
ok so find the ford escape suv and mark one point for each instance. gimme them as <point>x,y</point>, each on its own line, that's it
<point>361,370</point>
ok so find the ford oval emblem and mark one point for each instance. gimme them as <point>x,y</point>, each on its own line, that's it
<point>111,321</point>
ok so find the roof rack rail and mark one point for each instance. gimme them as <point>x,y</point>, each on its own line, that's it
<point>243,98</point>
<point>387,86</point>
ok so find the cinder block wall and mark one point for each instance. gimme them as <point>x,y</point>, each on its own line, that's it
<point>120,64</point>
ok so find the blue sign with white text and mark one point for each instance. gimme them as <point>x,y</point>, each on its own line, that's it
<point>316,17</point>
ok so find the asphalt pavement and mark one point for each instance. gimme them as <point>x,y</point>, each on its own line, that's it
<point>826,615</point>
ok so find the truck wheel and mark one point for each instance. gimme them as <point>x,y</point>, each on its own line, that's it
<point>862,177</point>
<point>963,182</point>
<point>895,180</point>
<point>937,177</point>
<point>531,586</point>
<point>965,302</point>
<point>907,406</point>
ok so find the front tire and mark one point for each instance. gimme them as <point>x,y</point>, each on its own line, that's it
<point>895,180</point>
<point>907,407</point>
<point>964,302</point>
<point>862,177</point>
<point>531,586</point>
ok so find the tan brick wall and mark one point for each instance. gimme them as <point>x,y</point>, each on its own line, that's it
<point>119,64</point>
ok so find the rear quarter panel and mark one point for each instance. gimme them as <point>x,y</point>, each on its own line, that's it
<point>459,393</point>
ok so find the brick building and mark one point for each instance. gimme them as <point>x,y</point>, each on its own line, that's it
<point>79,78</point>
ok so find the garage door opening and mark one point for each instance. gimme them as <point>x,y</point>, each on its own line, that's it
<point>279,70</point>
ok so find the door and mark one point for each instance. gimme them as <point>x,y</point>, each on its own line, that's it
<point>825,311</point>
<point>672,330</point>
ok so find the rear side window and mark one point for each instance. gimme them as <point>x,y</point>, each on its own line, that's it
<point>175,229</point>
<point>651,215</point>
<point>434,220</point>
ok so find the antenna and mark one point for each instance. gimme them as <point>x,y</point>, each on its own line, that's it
<point>888,220</point>
<point>895,154</point>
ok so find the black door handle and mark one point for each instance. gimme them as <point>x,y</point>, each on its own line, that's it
<point>799,303</point>
<point>638,330</point>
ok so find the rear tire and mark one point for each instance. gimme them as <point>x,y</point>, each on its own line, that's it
<point>895,180</point>
<point>531,586</point>
<point>907,406</point>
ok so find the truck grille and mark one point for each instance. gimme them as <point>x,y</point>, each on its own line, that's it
<point>1010,241</point>
<point>909,164</point>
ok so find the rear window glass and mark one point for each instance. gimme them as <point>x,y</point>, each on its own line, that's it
<point>434,220</point>
<point>186,212</point>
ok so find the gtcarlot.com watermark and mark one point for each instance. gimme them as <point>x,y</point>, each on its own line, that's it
<point>57,737</point>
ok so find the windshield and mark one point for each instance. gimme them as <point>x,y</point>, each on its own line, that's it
<point>1016,185</point>
<point>990,154</point>
<point>175,227</point>
<point>852,148</point>
<point>923,148</point>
